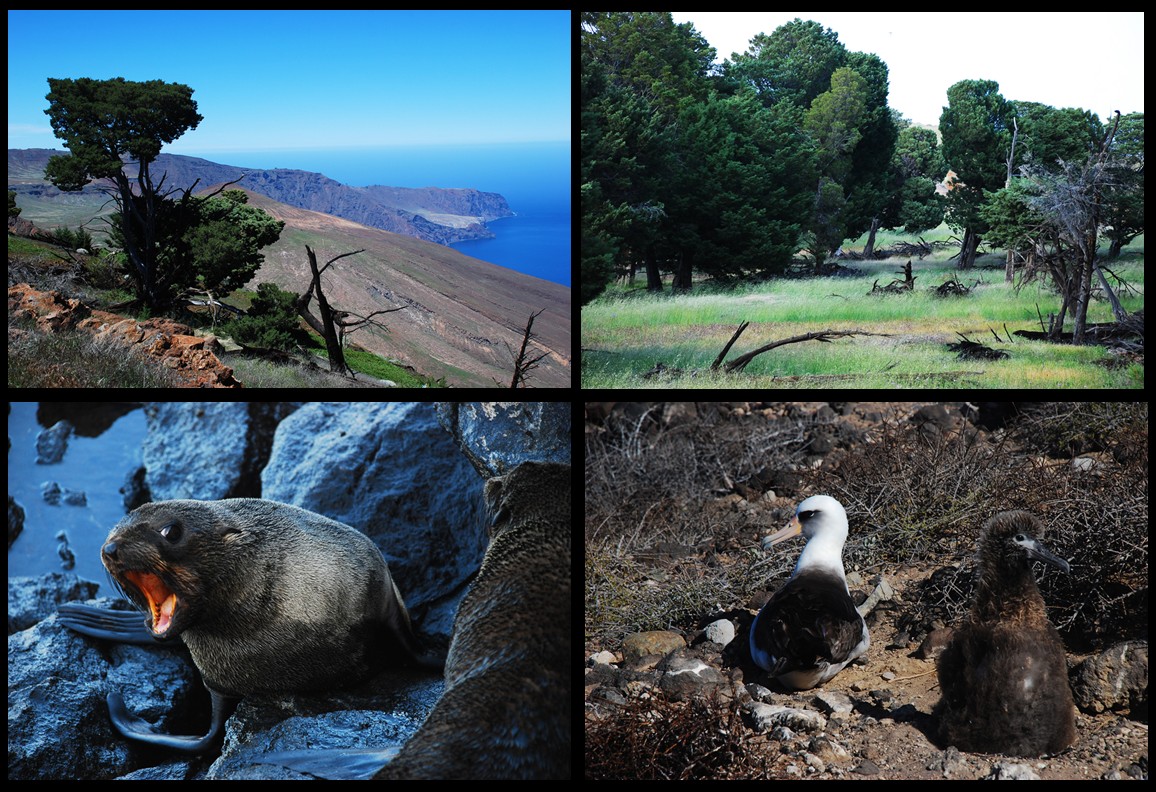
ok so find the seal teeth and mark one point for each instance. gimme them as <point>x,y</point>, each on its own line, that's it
<point>163,616</point>
<point>162,602</point>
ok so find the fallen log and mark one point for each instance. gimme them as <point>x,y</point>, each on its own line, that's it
<point>1105,333</point>
<point>953,288</point>
<point>739,363</point>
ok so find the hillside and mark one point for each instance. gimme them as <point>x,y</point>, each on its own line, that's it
<point>461,312</point>
<point>437,215</point>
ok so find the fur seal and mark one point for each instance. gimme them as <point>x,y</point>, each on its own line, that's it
<point>267,597</point>
<point>505,712</point>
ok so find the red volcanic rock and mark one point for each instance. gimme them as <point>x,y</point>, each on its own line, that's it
<point>51,310</point>
<point>172,343</point>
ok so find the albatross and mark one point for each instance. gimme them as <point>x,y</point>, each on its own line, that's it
<point>809,630</point>
<point>1003,676</point>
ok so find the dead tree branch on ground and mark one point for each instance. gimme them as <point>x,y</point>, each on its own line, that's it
<point>739,363</point>
<point>722,355</point>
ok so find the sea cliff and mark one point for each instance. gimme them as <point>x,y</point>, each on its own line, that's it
<point>434,214</point>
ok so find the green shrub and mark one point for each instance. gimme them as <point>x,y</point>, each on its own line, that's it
<point>271,322</point>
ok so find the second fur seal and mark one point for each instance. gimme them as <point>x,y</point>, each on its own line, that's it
<point>505,712</point>
<point>267,597</point>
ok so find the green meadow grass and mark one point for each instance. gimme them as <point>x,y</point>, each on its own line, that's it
<point>625,333</point>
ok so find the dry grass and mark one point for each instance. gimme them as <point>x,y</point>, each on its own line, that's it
<point>665,546</point>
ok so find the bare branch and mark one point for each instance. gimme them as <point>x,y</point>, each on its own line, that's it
<point>343,255</point>
<point>739,363</point>
<point>523,363</point>
<point>722,355</point>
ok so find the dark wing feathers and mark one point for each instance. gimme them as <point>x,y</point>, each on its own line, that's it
<point>810,620</point>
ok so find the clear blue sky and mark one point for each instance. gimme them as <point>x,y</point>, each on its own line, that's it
<point>268,80</point>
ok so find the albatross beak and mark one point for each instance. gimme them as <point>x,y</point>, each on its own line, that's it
<point>793,528</point>
<point>1040,553</point>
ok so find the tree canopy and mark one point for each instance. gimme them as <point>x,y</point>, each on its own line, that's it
<point>732,170</point>
<point>208,243</point>
<point>976,128</point>
<point>101,121</point>
<point>214,244</point>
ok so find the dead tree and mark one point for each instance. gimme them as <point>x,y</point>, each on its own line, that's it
<point>908,280</point>
<point>740,363</point>
<point>347,326</point>
<point>1010,269</point>
<point>330,324</point>
<point>1071,203</point>
<point>897,286</point>
<point>525,360</point>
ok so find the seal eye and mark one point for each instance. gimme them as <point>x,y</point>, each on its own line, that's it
<point>171,532</point>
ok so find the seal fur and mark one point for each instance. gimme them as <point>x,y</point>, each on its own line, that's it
<point>268,597</point>
<point>505,712</point>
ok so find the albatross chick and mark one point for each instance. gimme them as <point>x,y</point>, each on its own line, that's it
<point>1003,677</point>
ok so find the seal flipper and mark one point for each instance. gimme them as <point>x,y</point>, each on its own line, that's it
<point>334,764</point>
<point>136,728</point>
<point>121,626</point>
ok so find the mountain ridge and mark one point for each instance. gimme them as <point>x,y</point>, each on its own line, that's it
<point>462,313</point>
<point>435,214</point>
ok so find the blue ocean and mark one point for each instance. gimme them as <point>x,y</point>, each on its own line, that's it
<point>534,178</point>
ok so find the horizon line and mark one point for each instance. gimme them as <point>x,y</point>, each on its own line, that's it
<point>58,145</point>
<point>370,147</point>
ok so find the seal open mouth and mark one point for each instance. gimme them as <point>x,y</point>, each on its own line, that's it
<point>162,601</point>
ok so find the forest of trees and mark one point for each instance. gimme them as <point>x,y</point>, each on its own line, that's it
<point>732,170</point>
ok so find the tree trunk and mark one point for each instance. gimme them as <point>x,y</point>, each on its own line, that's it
<point>653,279</point>
<point>1010,266</point>
<point>324,325</point>
<point>968,248</point>
<point>1117,309</point>
<point>1064,283</point>
<point>139,242</point>
<point>1087,264</point>
<point>682,276</point>
<point>869,251</point>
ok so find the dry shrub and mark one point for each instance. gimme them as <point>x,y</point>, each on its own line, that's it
<point>925,494</point>
<point>657,555</point>
<point>655,739</point>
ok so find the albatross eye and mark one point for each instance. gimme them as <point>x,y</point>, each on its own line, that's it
<point>1020,538</point>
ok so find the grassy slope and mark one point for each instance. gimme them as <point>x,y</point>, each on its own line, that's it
<point>472,309</point>
<point>461,312</point>
<point>625,334</point>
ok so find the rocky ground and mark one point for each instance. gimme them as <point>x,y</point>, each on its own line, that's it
<point>190,357</point>
<point>678,497</point>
